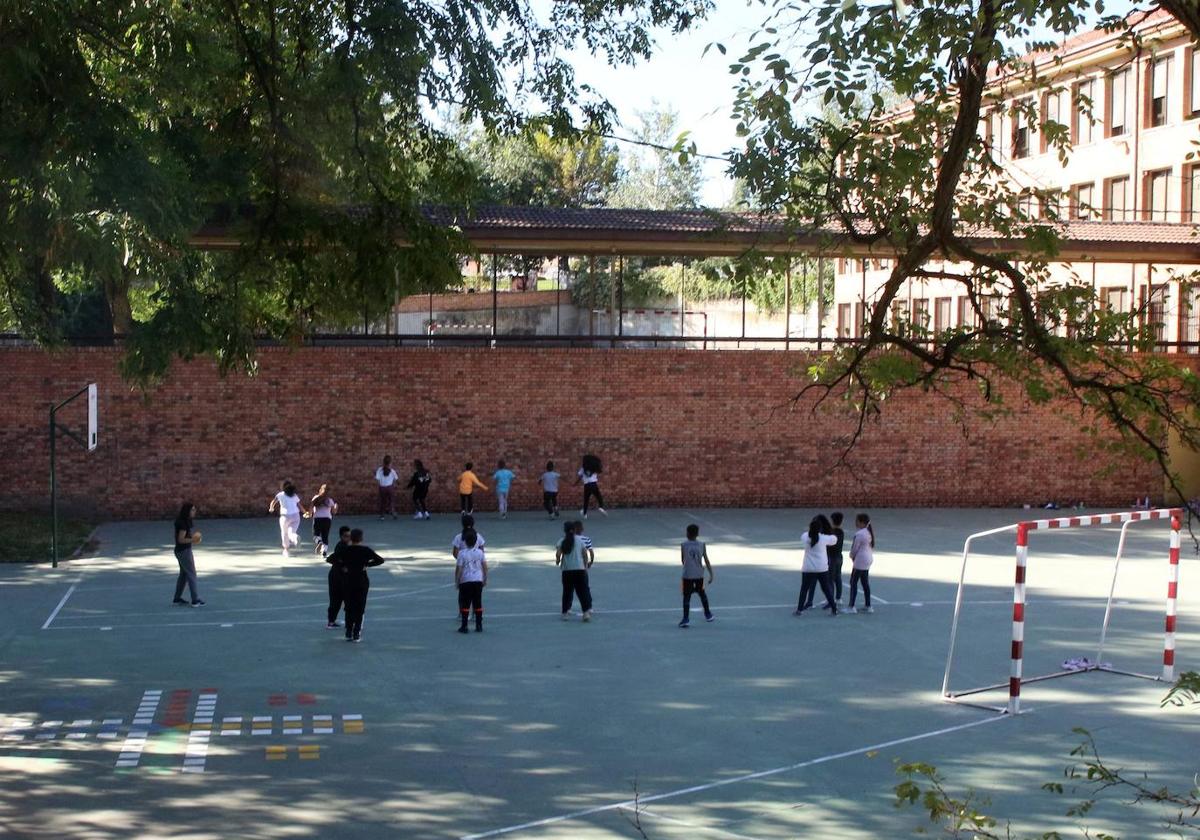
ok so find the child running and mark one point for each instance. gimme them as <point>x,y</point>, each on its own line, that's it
<point>570,554</point>
<point>694,556</point>
<point>815,569</point>
<point>590,476</point>
<point>503,477</point>
<point>467,482</point>
<point>288,503</point>
<point>323,509</point>
<point>549,481</point>
<point>336,593</point>
<point>353,562</point>
<point>862,555</point>
<point>419,484</point>
<point>470,576</point>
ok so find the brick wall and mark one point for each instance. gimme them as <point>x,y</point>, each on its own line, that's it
<point>675,428</point>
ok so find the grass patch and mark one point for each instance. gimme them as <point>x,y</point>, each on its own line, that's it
<point>27,536</point>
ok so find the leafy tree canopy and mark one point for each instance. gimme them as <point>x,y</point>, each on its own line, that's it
<point>129,125</point>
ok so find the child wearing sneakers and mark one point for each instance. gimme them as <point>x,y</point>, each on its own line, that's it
<point>570,554</point>
<point>470,577</point>
<point>550,490</point>
<point>862,555</point>
<point>503,477</point>
<point>467,482</point>
<point>694,556</point>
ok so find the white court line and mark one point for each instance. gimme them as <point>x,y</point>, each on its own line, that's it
<point>714,526</point>
<point>761,774</point>
<point>54,614</point>
<point>642,812</point>
<point>313,605</point>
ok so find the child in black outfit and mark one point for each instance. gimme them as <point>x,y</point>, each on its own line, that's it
<point>336,595</point>
<point>353,561</point>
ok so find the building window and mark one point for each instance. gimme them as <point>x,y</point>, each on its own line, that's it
<point>843,326</point>
<point>1082,206</point>
<point>1020,129</point>
<point>1053,111</point>
<point>860,322</point>
<point>1156,195</point>
<point>1117,205</point>
<point>941,314</point>
<point>897,314</point>
<point>990,306</point>
<point>1114,299</point>
<point>1051,204</point>
<point>1158,104</point>
<point>966,316</point>
<point>920,313</point>
<point>1191,192</point>
<point>996,135</point>
<point>1154,311</point>
<point>1191,72</point>
<point>1119,98</point>
<point>1083,105</point>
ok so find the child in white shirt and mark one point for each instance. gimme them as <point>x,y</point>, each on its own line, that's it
<point>815,569</point>
<point>862,555</point>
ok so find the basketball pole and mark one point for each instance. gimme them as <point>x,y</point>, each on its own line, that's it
<point>54,430</point>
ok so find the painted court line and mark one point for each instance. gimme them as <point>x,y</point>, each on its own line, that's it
<point>196,754</point>
<point>761,774</point>
<point>135,739</point>
<point>61,603</point>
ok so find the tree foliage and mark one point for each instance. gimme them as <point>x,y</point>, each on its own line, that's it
<point>129,126</point>
<point>825,147</point>
<point>658,174</point>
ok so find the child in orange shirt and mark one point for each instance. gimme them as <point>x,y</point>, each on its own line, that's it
<point>467,482</point>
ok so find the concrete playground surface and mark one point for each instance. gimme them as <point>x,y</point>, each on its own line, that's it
<point>124,716</point>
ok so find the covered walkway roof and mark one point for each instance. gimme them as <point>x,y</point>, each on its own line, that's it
<point>704,233</point>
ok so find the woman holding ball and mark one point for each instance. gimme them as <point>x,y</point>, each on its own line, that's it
<point>185,537</point>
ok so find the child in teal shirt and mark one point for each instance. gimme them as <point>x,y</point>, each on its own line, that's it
<point>503,477</point>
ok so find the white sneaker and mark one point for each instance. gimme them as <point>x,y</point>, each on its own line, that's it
<point>602,510</point>
<point>851,610</point>
<point>868,609</point>
<point>426,514</point>
<point>418,515</point>
<point>285,553</point>
<point>566,616</point>
<point>587,616</point>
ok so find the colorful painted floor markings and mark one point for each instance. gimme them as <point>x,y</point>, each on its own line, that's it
<point>197,746</point>
<point>139,731</point>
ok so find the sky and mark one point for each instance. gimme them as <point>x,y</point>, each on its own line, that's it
<point>698,86</point>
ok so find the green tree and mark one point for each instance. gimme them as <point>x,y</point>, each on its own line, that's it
<point>303,130</point>
<point>536,168</point>
<point>656,175</point>
<point>823,147</point>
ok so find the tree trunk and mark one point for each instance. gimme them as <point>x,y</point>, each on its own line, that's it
<point>116,293</point>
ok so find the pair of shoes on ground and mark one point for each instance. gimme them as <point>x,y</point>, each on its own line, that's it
<point>587,615</point>
<point>688,623</point>
<point>419,515</point>
<point>329,625</point>
<point>859,610</point>
<point>478,629</point>
<point>179,602</point>
<point>357,637</point>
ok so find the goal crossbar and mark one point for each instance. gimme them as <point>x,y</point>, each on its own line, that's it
<point>1016,676</point>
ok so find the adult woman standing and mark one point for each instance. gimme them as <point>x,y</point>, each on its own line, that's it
<point>287,502</point>
<point>185,537</point>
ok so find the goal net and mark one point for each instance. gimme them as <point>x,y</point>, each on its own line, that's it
<point>1023,531</point>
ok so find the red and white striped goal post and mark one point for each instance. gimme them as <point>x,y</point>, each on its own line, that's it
<point>1017,651</point>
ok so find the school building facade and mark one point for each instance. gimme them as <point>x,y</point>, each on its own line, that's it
<point>1129,169</point>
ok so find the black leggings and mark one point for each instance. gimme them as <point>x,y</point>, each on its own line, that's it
<point>466,502</point>
<point>550,501</point>
<point>419,503</point>
<point>696,585</point>
<point>590,490</point>
<point>321,530</point>
<point>857,576</point>
<point>335,593</point>
<point>808,583</point>
<point>355,589</point>
<point>576,583</point>
<point>470,596</point>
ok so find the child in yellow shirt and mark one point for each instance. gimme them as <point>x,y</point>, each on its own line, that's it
<point>467,482</point>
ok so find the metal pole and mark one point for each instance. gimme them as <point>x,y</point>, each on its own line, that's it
<point>53,496</point>
<point>743,337</point>
<point>621,294</point>
<point>681,278</point>
<point>558,298</point>
<point>787,305</point>
<point>495,269</point>
<point>820,302</point>
<point>1112,591</point>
